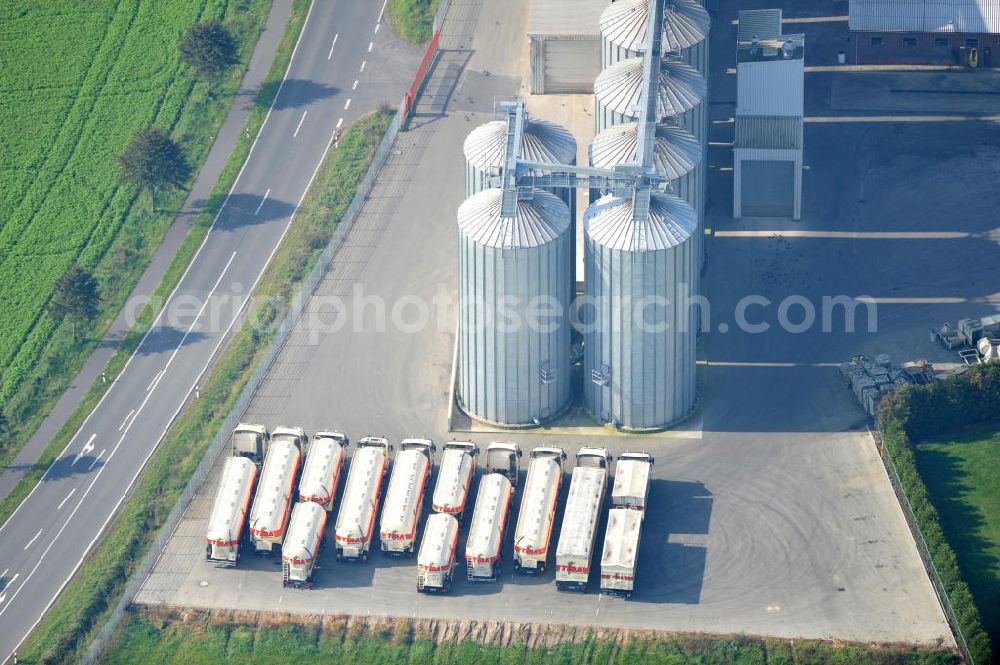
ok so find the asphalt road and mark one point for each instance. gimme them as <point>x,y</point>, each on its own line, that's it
<point>340,69</point>
<point>770,513</point>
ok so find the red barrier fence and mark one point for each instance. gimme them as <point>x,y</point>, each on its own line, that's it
<point>411,95</point>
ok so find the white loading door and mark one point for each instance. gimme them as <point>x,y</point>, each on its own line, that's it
<point>571,65</point>
<point>767,188</point>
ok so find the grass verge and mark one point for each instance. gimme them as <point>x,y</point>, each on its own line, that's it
<point>70,366</point>
<point>156,640</point>
<point>86,602</point>
<point>915,413</point>
<point>413,20</point>
<point>961,474</point>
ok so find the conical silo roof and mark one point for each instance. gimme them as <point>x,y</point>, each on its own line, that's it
<point>538,221</point>
<point>541,141</point>
<point>676,152</point>
<point>619,88</point>
<point>609,223</point>
<point>685,24</point>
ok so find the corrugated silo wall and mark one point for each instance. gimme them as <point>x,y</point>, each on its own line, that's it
<point>652,372</point>
<point>501,370</point>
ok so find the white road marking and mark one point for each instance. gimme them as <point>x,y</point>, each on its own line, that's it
<point>97,459</point>
<point>299,126</point>
<point>4,573</point>
<point>371,45</point>
<point>266,194</point>
<point>3,596</point>
<point>340,122</point>
<point>382,11</point>
<point>377,26</point>
<point>87,447</point>
<point>363,63</point>
<point>330,55</point>
<point>126,419</point>
<point>33,539</point>
<point>347,105</point>
<point>63,502</point>
<point>153,382</point>
<point>355,86</point>
<point>134,354</point>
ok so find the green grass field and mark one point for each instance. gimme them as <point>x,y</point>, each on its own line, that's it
<point>412,19</point>
<point>962,474</point>
<point>79,79</point>
<point>145,641</point>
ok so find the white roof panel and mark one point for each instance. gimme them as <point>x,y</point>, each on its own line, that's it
<point>565,17</point>
<point>437,547</point>
<point>583,504</point>
<point>621,541</point>
<point>229,509</point>
<point>488,518</point>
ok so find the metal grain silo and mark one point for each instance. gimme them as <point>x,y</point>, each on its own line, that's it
<point>676,156</point>
<point>510,268</point>
<point>542,141</point>
<point>680,94</point>
<point>639,341</point>
<point>685,31</point>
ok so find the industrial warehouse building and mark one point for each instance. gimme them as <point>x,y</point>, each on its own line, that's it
<point>767,153</point>
<point>925,32</point>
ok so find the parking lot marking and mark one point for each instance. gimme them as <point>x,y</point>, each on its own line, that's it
<point>852,235</point>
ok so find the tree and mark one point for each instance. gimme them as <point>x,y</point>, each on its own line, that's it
<point>4,428</point>
<point>76,296</point>
<point>208,48</point>
<point>153,160</point>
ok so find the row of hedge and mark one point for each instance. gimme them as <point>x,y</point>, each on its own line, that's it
<point>916,413</point>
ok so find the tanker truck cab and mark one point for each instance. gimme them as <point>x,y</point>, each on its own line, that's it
<point>405,496</point>
<point>294,435</point>
<point>250,441</point>
<point>455,474</point>
<point>356,518</point>
<point>504,457</point>
<point>533,534</point>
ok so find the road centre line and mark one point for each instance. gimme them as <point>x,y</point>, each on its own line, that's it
<point>63,502</point>
<point>33,539</point>
<point>97,459</point>
<point>299,126</point>
<point>266,194</point>
<point>348,104</point>
<point>153,382</point>
<point>4,573</point>
<point>330,54</point>
<point>371,45</point>
<point>363,63</point>
<point>355,86</point>
<point>340,122</point>
<point>126,419</point>
<point>377,26</point>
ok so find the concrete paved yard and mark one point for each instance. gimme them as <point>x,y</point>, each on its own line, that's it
<point>771,513</point>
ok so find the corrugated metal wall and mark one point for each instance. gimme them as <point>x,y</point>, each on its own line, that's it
<point>514,375</point>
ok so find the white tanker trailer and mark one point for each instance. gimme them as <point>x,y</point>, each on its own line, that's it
<point>229,512</point>
<point>436,559</point>
<point>302,545</point>
<point>273,501</point>
<point>533,534</point>
<point>404,498</point>
<point>580,519</point>
<point>489,518</point>
<point>455,473</point>
<point>356,519</point>
<point>321,472</point>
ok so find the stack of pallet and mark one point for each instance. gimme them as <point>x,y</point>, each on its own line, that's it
<point>870,379</point>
